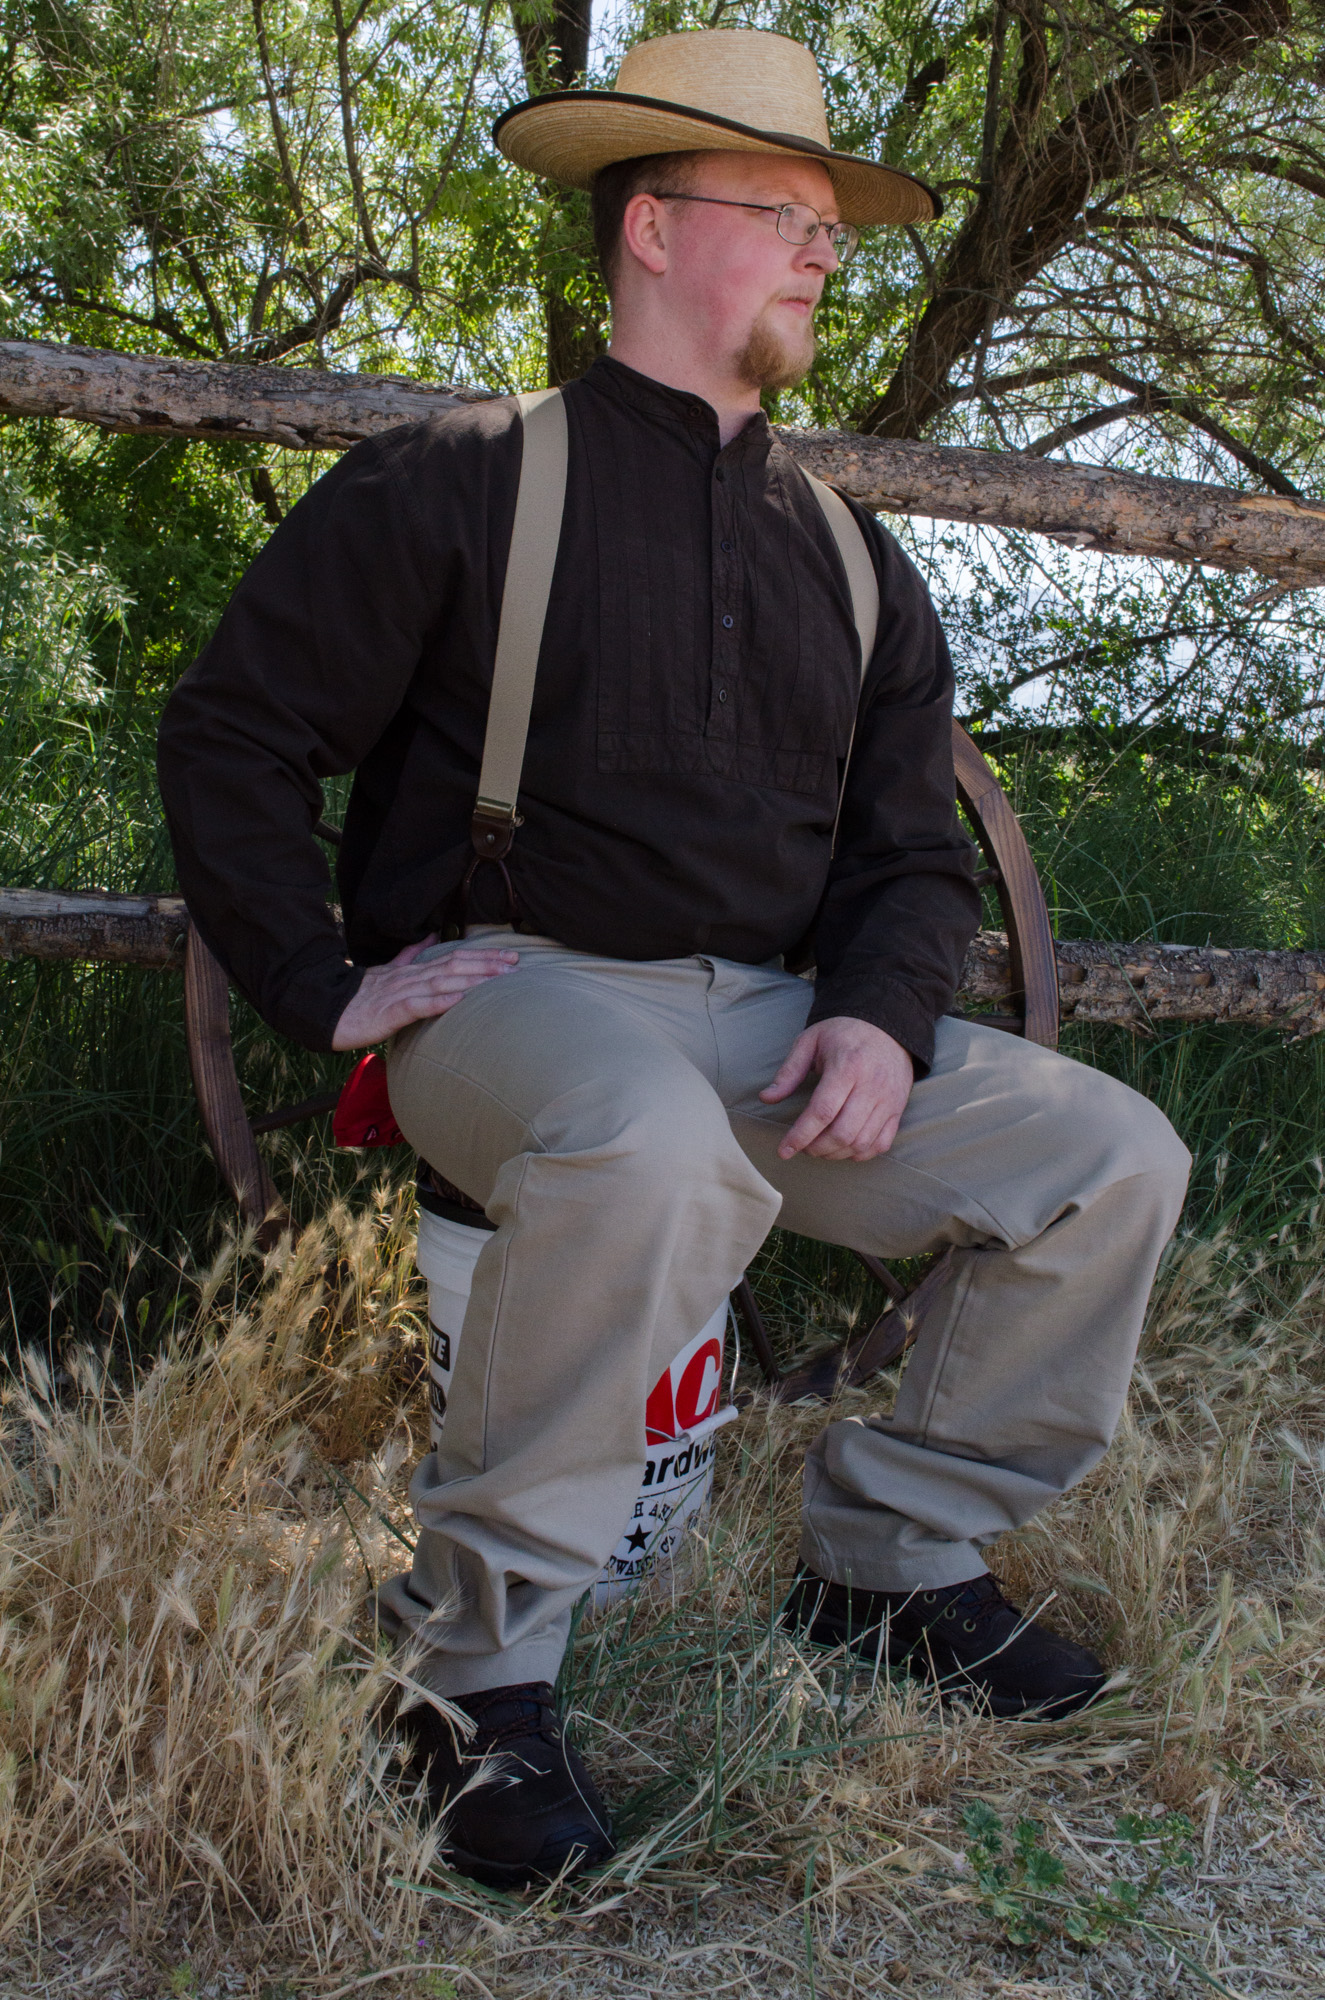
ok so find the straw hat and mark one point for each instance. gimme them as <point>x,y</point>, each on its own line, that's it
<point>736,90</point>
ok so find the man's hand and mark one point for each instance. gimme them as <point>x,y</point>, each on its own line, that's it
<point>865,1079</point>
<point>391,996</point>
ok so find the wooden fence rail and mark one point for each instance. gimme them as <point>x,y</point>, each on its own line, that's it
<point>309,409</point>
<point>1134,986</point>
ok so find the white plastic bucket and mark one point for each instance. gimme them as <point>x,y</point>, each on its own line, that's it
<point>681,1418</point>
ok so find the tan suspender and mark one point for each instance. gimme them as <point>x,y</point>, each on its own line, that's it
<point>864,587</point>
<point>539,504</point>
<point>858,564</point>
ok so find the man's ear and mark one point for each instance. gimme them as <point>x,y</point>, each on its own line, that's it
<point>644,229</point>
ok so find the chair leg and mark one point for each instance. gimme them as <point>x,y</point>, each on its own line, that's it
<point>881,1275</point>
<point>847,1366</point>
<point>759,1340</point>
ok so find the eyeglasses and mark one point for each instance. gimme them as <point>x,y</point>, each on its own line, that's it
<point>797,222</point>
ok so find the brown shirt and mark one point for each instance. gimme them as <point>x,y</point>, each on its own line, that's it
<point>694,702</point>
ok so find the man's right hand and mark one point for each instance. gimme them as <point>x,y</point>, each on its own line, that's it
<point>391,996</point>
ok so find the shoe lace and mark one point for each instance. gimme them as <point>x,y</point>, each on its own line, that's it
<point>976,1604</point>
<point>511,1715</point>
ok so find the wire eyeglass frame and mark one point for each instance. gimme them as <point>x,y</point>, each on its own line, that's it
<point>844,237</point>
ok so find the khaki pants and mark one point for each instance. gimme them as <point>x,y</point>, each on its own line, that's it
<point>607,1115</point>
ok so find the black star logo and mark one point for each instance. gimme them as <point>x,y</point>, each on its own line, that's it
<point>639,1540</point>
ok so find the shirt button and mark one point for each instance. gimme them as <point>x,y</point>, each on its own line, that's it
<point>727,548</point>
<point>719,474</point>
<point>728,620</point>
<point>722,694</point>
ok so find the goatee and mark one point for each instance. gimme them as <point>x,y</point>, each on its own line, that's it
<point>770,361</point>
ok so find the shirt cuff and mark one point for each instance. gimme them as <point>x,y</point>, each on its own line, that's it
<point>312,1002</point>
<point>883,1002</point>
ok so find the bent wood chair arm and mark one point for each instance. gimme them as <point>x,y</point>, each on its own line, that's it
<point>220,1100</point>
<point>1010,870</point>
<point>1012,873</point>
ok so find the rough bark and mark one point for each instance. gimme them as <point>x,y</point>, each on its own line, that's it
<point>305,409</point>
<point>308,409</point>
<point>1138,986</point>
<point>94,924</point>
<point>1035,190</point>
<point>554,48</point>
<point>1179,520</point>
<point>1125,985</point>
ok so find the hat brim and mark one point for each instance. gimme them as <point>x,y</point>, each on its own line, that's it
<point>571,135</point>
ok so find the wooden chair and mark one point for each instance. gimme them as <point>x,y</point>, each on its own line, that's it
<point>1009,870</point>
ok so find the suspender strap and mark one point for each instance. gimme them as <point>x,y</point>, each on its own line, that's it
<point>864,587</point>
<point>858,564</point>
<point>539,504</point>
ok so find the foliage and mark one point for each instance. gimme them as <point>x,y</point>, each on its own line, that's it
<point>1025,1889</point>
<point>48,603</point>
<point>1130,256</point>
<point>1131,199</point>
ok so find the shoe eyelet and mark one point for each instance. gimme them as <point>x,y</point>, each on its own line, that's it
<point>929,1597</point>
<point>968,1625</point>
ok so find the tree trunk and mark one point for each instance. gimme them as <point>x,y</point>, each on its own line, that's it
<point>308,409</point>
<point>1125,985</point>
<point>1034,192</point>
<point>554,48</point>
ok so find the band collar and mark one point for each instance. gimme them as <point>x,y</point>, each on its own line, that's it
<point>675,409</point>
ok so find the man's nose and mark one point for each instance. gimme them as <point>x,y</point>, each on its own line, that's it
<point>818,254</point>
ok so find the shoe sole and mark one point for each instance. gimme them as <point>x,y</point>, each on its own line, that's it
<point>522,1874</point>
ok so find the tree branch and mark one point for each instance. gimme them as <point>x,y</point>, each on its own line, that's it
<point>1019,225</point>
<point>1124,985</point>
<point>315,409</point>
<point>346,93</point>
<point>288,175</point>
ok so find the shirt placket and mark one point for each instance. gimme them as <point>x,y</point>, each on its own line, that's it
<point>725,669</point>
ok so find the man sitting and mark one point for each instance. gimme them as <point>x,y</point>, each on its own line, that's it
<point>614,1059</point>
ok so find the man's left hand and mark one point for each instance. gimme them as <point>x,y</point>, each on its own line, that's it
<point>865,1079</point>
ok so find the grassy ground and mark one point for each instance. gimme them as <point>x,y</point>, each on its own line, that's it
<point>197,1795</point>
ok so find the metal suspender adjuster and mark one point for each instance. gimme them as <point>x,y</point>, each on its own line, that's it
<point>491,831</point>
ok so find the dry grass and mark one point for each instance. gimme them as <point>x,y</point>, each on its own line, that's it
<point>194,1796</point>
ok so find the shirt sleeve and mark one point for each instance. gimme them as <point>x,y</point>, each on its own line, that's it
<point>310,662</point>
<point>901,904</point>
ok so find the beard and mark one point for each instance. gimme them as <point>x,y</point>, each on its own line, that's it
<point>770,360</point>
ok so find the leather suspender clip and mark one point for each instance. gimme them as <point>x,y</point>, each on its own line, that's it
<point>492,829</point>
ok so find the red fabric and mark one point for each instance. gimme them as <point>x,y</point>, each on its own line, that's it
<point>363,1116</point>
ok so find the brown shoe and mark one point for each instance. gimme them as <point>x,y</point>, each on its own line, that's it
<point>964,1636</point>
<point>537,1815</point>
